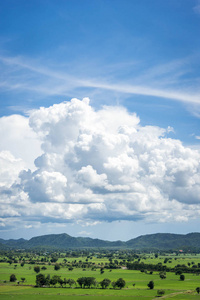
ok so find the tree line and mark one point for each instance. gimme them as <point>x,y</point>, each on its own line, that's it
<point>83,282</point>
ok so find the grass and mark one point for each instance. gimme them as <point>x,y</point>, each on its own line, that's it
<point>174,288</point>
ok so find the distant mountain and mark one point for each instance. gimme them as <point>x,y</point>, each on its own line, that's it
<point>165,241</point>
<point>20,243</point>
<point>158,241</point>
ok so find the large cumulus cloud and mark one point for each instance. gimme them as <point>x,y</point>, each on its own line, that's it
<point>101,166</point>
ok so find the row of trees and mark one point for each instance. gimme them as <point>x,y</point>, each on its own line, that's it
<point>83,282</point>
<point>163,268</point>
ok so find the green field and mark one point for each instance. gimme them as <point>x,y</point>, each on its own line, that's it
<point>174,288</point>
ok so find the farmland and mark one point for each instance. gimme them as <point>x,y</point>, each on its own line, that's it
<point>110,265</point>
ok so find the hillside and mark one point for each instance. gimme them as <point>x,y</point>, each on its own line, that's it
<point>159,241</point>
<point>165,241</point>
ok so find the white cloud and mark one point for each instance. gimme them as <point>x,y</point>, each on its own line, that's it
<point>10,168</point>
<point>100,166</point>
<point>17,137</point>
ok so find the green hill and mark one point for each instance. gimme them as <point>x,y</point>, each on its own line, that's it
<point>165,241</point>
<point>159,241</point>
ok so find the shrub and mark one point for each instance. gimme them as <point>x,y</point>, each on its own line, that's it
<point>160,293</point>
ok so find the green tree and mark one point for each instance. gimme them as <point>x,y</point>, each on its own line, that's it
<point>13,278</point>
<point>86,281</point>
<point>113,284</point>
<point>60,281</point>
<point>57,267</point>
<point>81,281</point>
<point>90,281</point>
<point>182,277</point>
<point>178,272</point>
<point>70,282</point>
<point>40,280</point>
<point>54,280</point>
<point>151,285</point>
<point>37,269</point>
<point>162,275</point>
<point>120,283</point>
<point>105,283</point>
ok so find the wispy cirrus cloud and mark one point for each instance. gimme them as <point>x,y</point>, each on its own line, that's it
<point>163,81</point>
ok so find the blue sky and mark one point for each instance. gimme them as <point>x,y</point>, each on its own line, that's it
<point>142,56</point>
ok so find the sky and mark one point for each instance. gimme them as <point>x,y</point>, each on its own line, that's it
<point>99,118</point>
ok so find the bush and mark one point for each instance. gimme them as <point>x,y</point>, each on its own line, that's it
<point>160,293</point>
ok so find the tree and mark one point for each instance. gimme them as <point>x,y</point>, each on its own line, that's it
<point>162,275</point>
<point>81,281</point>
<point>60,281</point>
<point>120,283</point>
<point>105,283</point>
<point>198,290</point>
<point>57,267</point>
<point>13,278</point>
<point>54,279</point>
<point>160,293</point>
<point>70,281</point>
<point>40,280</point>
<point>151,285</point>
<point>113,284</point>
<point>90,281</point>
<point>37,269</point>
<point>86,281</point>
<point>182,277</point>
<point>47,280</point>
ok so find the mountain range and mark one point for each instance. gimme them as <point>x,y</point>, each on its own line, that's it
<point>159,241</point>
